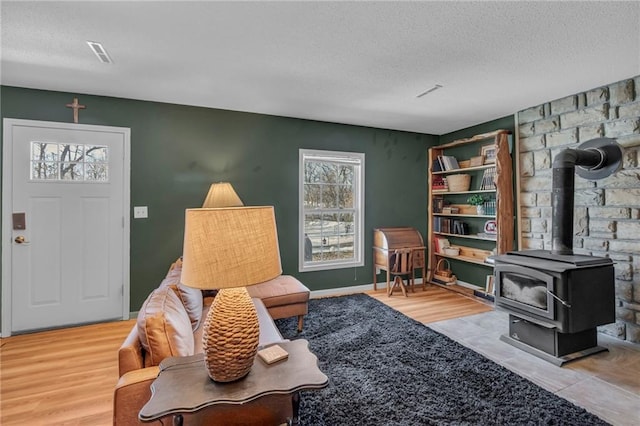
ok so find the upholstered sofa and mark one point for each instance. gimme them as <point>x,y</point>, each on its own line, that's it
<point>170,324</point>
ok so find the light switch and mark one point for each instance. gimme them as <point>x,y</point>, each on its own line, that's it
<point>140,212</point>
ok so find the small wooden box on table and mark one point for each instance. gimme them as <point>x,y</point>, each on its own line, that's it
<point>387,240</point>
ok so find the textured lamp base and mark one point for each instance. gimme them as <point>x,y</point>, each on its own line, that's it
<point>230,337</point>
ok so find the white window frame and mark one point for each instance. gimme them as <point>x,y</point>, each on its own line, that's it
<point>352,158</point>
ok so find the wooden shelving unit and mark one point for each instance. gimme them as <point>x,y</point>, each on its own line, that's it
<point>473,247</point>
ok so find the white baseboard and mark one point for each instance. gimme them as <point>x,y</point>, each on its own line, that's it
<point>315,294</point>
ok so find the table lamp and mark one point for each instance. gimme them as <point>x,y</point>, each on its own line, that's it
<point>228,249</point>
<point>221,194</point>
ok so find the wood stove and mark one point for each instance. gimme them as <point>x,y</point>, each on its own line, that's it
<point>555,302</point>
<point>556,298</point>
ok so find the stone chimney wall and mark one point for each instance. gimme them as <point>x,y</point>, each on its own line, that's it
<point>607,211</point>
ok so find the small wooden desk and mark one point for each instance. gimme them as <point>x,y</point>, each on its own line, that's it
<point>183,386</point>
<point>387,240</point>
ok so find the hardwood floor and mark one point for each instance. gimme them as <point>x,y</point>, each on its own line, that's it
<point>431,305</point>
<point>58,377</point>
<point>66,377</point>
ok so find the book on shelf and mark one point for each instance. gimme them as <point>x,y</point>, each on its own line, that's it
<point>490,208</point>
<point>453,162</point>
<point>460,227</point>
<point>439,183</point>
<point>448,162</point>
<point>440,244</point>
<point>437,224</point>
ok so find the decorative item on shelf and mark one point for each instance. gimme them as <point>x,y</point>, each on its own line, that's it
<point>488,179</point>
<point>443,273</point>
<point>478,201</point>
<point>476,161</point>
<point>438,204</point>
<point>489,153</point>
<point>459,182</point>
<point>450,210</point>
<point>452,251</point>
<point>221,194</point>
<point>464,164</point>
<point>229,249</point>
<point>491,227</point>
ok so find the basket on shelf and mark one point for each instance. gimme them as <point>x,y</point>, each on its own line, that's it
<point>444,273</point>
<point>459,182</point>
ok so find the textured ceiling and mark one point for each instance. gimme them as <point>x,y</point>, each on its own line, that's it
<point>359,63</point>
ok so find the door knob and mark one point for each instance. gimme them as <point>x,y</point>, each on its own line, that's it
<point>20,239</point>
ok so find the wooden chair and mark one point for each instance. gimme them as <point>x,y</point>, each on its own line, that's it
<point>401,265</point>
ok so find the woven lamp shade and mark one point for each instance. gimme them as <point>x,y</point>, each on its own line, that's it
<point>222,194</point>
<point>229,249</point>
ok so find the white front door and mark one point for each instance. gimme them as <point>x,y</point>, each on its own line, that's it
<point>67,214</point>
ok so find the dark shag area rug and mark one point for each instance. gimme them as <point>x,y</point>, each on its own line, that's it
<point>386,369</point>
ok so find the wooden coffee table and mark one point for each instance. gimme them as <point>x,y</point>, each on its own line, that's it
<point>183,386</point>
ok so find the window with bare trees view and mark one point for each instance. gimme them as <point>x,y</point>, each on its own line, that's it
<point>69,162</point>
<point>331,214</point>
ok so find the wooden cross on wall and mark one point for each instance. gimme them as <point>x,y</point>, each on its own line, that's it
<point>75,105</point>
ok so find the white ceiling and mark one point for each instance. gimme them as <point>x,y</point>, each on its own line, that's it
<point>359,63</point>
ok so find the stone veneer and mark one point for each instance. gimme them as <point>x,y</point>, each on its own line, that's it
<point>607,211</point>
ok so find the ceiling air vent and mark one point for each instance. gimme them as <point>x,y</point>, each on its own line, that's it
<point>433,89</point>
<point>100,52</point>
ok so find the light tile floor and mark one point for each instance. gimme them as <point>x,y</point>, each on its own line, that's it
<point>606,384</point>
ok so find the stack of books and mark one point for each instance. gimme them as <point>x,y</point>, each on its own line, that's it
<point>440,244</point>
<point>439,184</point>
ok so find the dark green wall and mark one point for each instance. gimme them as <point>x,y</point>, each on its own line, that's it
<point>178,151</point>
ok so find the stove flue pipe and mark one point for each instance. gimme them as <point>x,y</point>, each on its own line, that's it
<point>600,158</point>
